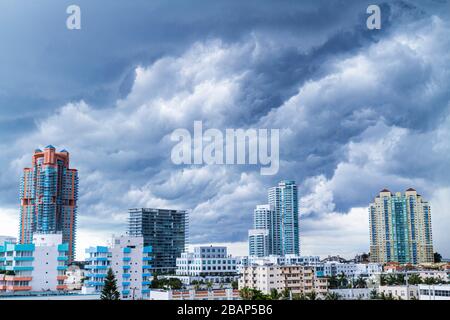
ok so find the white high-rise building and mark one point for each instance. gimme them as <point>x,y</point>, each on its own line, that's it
<point>130,261</point>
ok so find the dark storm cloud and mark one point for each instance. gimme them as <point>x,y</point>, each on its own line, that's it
<point>113,92</point>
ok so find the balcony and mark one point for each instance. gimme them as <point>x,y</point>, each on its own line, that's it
<point>18,288</point>
<point>61,287</point>
<point>61,278</point>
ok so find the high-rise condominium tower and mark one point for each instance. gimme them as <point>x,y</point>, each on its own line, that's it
<point>48,198</point>
<point>400,228</point>
<point>259,236</point>
<point>284,229</point>
<point>164,230</point>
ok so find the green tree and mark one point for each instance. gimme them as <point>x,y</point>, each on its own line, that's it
<point>383,280</point>
<point>360,283</point>
<point>286,294</point>
<point>342,280</point>
<point>437,257</point>
<point>246,293</point>
<point>312,296</point>
<point>109,291</point>
<point>235,285</point>
<point>332,296</point>
<point>333,282</point>
<point>430,281</point>
<point>415,279</point>
<point>299,296</point>
<point>374,295</point>
<point>274,295</point>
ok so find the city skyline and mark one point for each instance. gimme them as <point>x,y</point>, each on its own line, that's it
<point>358,110</point>
<point>282,211</point>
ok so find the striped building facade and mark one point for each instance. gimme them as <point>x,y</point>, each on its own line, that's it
<point>48,197</point>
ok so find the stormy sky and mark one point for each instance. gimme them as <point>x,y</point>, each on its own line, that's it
<point>358,110</point>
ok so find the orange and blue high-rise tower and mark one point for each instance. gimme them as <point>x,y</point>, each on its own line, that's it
<point>48,197</point>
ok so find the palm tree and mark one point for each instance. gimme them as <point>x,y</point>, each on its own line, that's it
<point>415,279</point>
<point>332,296</point>
<point>209,285</point>
<point>383,280</point>
<point>246,293</point>
<point>274,295</point>
<point>299,296</point>
<point>343,282</point>
<point>312,296</point>
<point>391,280</point>
<point>374,295</point>
<point>360,283</point>
<point>430,281</point>
<point>286,294</point>
<point>333,281</point>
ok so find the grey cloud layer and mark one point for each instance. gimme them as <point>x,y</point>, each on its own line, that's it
<point>358,111</point>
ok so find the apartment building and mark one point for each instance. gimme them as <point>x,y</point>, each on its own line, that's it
<point>37,266</point>
<point>207,264</point>
<point>263,278</point>
<point>130,261</point>
<point>303,280</point>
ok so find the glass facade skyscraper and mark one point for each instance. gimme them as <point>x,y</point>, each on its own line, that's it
<point>166,231</point>
<point>276,225</point>
<point>285,234</point>
<point>48,197</point>
<point>400,228</point>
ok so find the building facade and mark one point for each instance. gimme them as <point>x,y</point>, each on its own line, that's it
<point>400,228</point>
<point>131,263</point>
<point>207,264</point>
<point>48,197</point>
<point>303,280</point>
<point>259,237</point>
<point>38,266</point>
<point>166,231</point>
<point>284,230</point>
<point>263,278</point>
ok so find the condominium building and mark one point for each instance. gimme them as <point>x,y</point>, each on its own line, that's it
<point>37,266</point>
<point>207,264</point>
<point>284,230</point>
<point>130,261</point>
<point>303,280</point>
<point>400,228</point>
<point>259,237</point>
<point>8,239</point>
<point>263,278</point>
<point>295,278</point>
<point>166,231</point>
<point>434,292</point>
<point>48,197</point>
<point>400,292</point>
<point>258,242</point>
<point>351,269</point>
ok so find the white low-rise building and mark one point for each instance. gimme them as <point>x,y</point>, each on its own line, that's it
<point>353,294</point>
<point>207,264</point>
<point>434,292</point>
<point>218,294</point>
<point>39,266</point>
<point>333,268</point>
<point>400,292</point>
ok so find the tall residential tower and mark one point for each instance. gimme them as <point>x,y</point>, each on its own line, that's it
<point>285,235</point>
<point>166,231</point>
<point>48,198</point>
<point>276,225</point>
<point>400,228</point>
